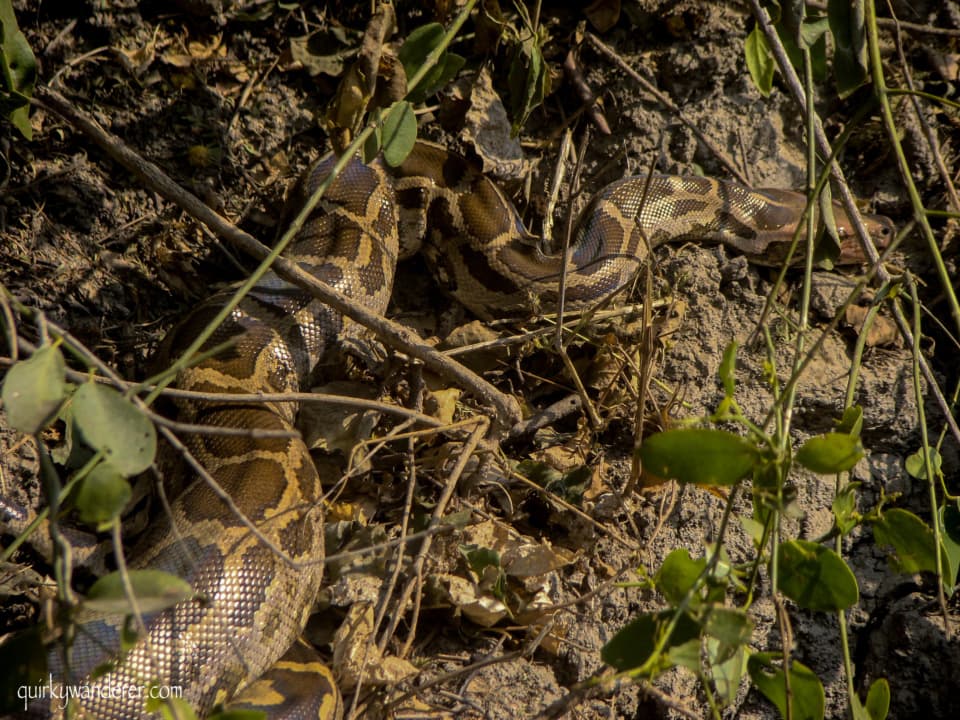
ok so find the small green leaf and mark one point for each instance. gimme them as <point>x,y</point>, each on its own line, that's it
<point>447,68</point>
<point>760,61</point>
<point>174,708</point>
<point>129,634</point>
<point>23,663</point>
<point>830,453</point>
<point>699,455</point>
<point>949,518</point>
<point>572,484</point>
<point>109,422</point>
<point>813,30</point>
<point>844,507</point>
<point>154,590</point>
<point>728,367</point>
<point>486,565</point>
<point>34,389</point>
<point>677,574</point>
<point>399,133</point>
<point>729,625</point>
<point>18,71</point>
<point>414,53</point>
<point>817,50</point>
<point>418,45</point>
<point>910,537</point>
<point>102,495</point>
<point>728,673</point>
<point>848,27</point>
<point>528,80</point>
<point>918,468</point>
<point>808,696</point>
<point>852,421</point>
<point>479,558</point>
<point>633,646</point>
<point>878,699</point>
<point>753,529</point>
<point>70,452</point>
<point>686,654</point>
<point>815,577</point>
<point>239,715</point>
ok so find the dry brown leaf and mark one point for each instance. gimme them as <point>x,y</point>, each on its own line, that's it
<point>138,60</point>
<point>603,14</point>
<point>356,656</point>
<point>338,427</point>
<point>484,610</point>
<point>488,130</point>
<point>883,331</point>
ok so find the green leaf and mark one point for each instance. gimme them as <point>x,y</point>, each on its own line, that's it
<point>728,673</point>
<point>753,529</point>
<point>844,507</point>
<point>949,518</point>
<point>399,133</point>
<point>852,421</point>
<point>239,715</point>
<point>172,708</point>
<point>878,699</point>
<point>817,49</point>
<point>487,566</point>
<point>102,495</point>
<point>686,654</point>
<point>848,27</point>
<point>808,697</point>
<point>154,590</point>
<point>480,558</point>
<point>71,452</point>
<point>18,71</point>
<point>728,367</point>
<point>418,46</point>
<point>830,453</point>
<point>128,638</point>
<point>677,574</point>
<point>760,61</point>
<point>23,663</point>
<point>730,626</point>
<point>633,646</point>
<point>34,389</point>
<point>815,577</point>
<point>918,468</point>
<point>446,70</point>
<point>414,53</point>
<point>528,80</point>
<point>571,485</point>
<point>812,30</point>
<point>699,455</point>
<point>910,537</point>
<point>111,423</point>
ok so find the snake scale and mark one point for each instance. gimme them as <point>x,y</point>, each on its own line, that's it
<point>238,639</point>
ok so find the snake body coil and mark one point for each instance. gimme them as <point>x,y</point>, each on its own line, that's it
<point>251,605</point>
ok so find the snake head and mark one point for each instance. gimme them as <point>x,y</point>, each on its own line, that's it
<point>880,228</point>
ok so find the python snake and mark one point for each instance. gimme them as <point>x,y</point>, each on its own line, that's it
<point>239,638</point>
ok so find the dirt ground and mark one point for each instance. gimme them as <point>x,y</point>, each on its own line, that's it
<point>211,93</point>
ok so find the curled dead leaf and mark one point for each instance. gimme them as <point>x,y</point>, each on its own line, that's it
<point>356,656</point>
<point>882,332</point>
<point>488,130</point>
